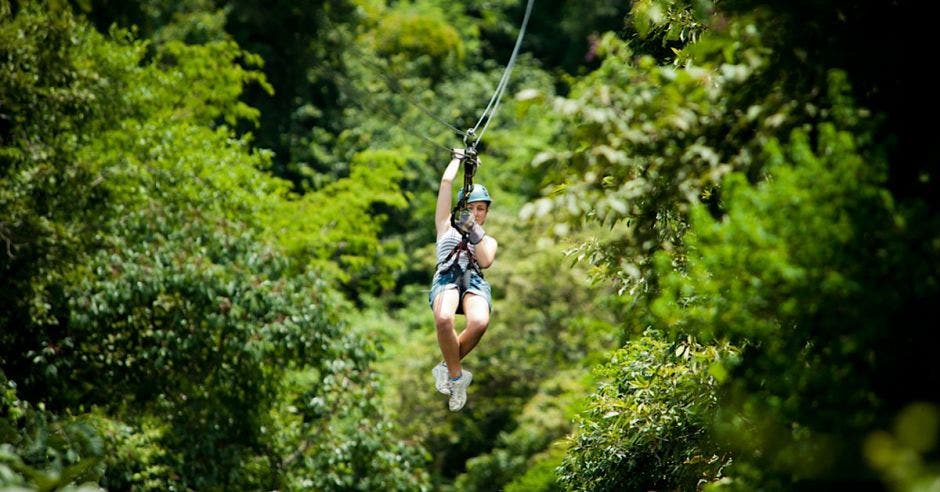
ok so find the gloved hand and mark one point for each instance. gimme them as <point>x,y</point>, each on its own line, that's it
<point>468,226</point>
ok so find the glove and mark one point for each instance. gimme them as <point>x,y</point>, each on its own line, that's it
<point>467,226</point>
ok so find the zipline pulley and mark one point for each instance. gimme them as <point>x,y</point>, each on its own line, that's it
<point>470,139</point>
<point>470,163</point>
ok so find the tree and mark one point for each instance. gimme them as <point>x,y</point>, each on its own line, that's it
<point>163,313</point>
<point>759,193</point>
<point>806,271</point>
<point>648,423</point>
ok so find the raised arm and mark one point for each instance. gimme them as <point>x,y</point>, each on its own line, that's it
<point>444,194</point>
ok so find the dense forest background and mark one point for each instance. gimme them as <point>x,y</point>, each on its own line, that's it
<point>718,226</point>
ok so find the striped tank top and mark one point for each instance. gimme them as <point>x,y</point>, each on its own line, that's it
<point>446,244</point>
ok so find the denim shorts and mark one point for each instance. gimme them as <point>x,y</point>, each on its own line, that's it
<point>448,280</point>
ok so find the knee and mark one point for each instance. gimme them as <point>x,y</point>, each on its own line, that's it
<point>478,323</point>
<point>445,321</point>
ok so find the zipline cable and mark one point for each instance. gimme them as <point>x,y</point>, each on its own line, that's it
<point>470,159</point>
<point>392,82</point>
<point>396,87</point>
<point>493,105</point>
<point>470,137</point>
<point>356,97</point>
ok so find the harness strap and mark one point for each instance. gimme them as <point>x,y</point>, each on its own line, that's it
<point>462,246</point>
<point>461,276</point>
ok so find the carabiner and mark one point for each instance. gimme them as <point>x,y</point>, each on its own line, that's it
<point>469,140</point>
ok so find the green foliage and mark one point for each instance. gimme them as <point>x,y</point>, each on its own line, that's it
<point>790,270</point>
<point>540,475</point>
<point>213,80</point>
<point>561,34</point>
<point>164,307</point>
<point>630,133</point>
<point>40,451</point>
<point>177,317</point>
<point>669,22</point>
<point>295,41</point>
<point>323,449</point>
<point>647,425</point>
<point>541,424</point>
<point>902,456</point>
<point>53,97</point>
<point>419,33</point>
<point>197,301</point>
<point>338,228</point>
<point>792,237</point>
<point>642,142</point>
<point>749,203</point>
<point>305,45</point>
<point>190,21</point>
<point>135,455</point>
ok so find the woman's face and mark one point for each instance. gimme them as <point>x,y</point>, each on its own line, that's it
<point>479,210</point>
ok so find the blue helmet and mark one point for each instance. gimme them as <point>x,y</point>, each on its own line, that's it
<point>478,194</point>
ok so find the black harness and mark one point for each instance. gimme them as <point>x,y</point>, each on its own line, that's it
<point>459,274</point>
<point>455,269</point>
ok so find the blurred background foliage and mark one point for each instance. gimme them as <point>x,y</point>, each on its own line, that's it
<point>718,232</point>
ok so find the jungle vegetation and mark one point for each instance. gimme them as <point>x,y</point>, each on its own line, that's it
<point>719,245</point>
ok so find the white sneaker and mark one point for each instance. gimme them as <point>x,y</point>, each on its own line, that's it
<point>440,378</point>
<point>458,390</point>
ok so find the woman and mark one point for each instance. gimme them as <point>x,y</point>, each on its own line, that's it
<point>458,285</point>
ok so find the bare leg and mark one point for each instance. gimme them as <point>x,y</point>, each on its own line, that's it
<point>477,311</point>
<point>445,307</point>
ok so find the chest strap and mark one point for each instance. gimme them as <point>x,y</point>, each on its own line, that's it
<point>462,246</point>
